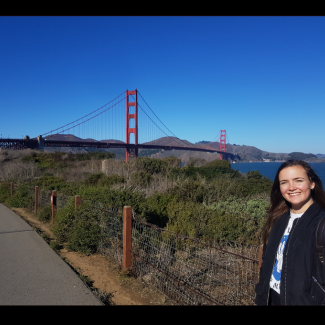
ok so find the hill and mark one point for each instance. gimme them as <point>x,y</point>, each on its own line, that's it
<point>244,153</point>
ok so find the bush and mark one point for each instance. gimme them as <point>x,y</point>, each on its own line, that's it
<point>114,198</point>
<point>45,214</point>
<point>22,198</point>
<point>84,237</point>
<point>51,183</point>
<point>5,191</point>
<point>155,209</point>
<point>79,229</point>
<point>150,165</point>
<point>217,163</point>
<point>110,180</point>
<point>55,246</point>
<point>141,178</point>
<point>59,159</point>
<point>100,179</point>
<point>93,179</point>
<point>96,155</point>
<point>188,218</point>
<point>246,217</point>
<point>63,223</point>
<point>209,171</point>
<point>189,189</point>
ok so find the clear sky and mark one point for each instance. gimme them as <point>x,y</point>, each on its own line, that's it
<point>259,78</point>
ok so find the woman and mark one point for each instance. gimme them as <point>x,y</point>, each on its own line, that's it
<point>291,272</point>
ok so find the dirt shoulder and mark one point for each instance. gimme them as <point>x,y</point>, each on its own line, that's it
<point>103,273</point>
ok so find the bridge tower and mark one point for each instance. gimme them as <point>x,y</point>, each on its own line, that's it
<point>131,113</point>
<point>222,143</point>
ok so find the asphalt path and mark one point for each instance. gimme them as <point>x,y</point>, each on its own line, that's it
<point>31,273</point>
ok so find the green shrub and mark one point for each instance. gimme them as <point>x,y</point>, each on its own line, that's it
<point>224,226</point>
<point>141,178</point>
<point>110,180</point>
<point>150,165</point>
<point>155,209</point>
<point>59,159</point>
<point>5,191</point>
<point>93,179</point>
<point>84,237</point>
<point>189,189</point>
<point>100,179</point>
<point>209,171</point>
<point>51,183</point>
<point>96,155</point>
<point>188,218</point>
<point>63,223</point>
<point>115,198</point>
<point>78,228</point>
<point>249,216</point>
<point>45,214</point>
<point>22,198</point>
<point>55,246</point>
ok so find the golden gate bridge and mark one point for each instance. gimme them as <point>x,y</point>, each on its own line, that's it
<point>125,113</point>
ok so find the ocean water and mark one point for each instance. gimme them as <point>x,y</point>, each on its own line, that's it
<point>269,169</point>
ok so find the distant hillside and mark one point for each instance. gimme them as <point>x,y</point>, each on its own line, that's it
<point>244,153</point>
<point>71,137</point>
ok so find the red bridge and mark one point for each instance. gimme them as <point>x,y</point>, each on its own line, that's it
<point>108,122</point>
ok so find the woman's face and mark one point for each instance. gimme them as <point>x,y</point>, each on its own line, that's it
<point>295,187</point>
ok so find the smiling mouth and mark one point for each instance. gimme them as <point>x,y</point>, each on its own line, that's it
<point>294,194</point>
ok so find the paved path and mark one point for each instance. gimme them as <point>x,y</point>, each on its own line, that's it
<point>31,273</point>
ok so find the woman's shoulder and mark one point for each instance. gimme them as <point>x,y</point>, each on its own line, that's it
<point>319,210</point>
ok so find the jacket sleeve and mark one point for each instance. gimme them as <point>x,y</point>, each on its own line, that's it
<point>258,287</point>
<point>261,258</point>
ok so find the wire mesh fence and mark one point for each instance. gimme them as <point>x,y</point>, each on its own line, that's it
<point>191,272</point>
<point>186,270</point>
<point>31,191</point>
<point>111,224</point>
<point>44,198</point>
<point>63,200</point>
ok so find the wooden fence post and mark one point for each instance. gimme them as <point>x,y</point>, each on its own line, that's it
<point>127,236</point>
<point>53,201</point>
<point>36,198</point>
<point>77,201</point>
<point>12,188</point>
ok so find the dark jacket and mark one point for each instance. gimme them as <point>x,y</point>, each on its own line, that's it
<point>302,277</point>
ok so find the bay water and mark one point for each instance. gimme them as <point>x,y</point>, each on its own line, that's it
<point>269,169</point>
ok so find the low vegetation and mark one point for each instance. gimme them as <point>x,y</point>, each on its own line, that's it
<point>203,200</point>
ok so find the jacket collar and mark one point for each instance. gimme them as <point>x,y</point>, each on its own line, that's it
<point>309,216</point>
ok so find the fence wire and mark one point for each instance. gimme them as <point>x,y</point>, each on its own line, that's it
<point>186,270</point>
<point>111,224</point>
<point>44,198</point>
<point>62,200</point>
<point>191,272</point>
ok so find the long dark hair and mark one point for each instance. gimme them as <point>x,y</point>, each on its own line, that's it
<point>279,205</point>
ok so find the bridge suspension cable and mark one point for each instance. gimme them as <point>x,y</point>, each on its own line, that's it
<point>86,116</point>
<point>112,125</point>
<point>177,140</point>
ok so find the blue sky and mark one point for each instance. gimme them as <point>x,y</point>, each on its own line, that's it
<point>259,78</point>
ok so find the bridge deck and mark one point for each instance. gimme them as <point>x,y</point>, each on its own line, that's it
<point>33,144</point>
